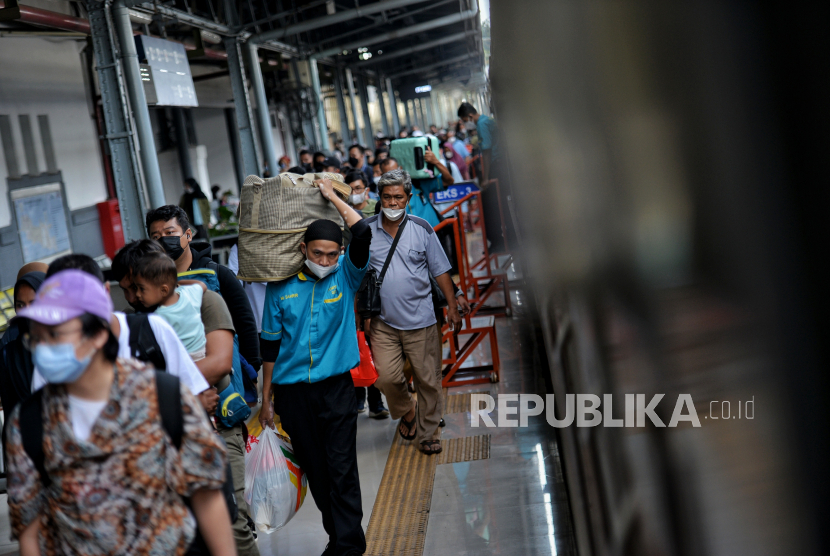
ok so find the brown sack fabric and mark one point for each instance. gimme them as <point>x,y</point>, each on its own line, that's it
<point>273,216</point>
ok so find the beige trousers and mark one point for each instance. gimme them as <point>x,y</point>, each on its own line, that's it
<point>389,345</point>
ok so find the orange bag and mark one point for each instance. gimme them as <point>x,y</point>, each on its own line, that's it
<point>364,374</point>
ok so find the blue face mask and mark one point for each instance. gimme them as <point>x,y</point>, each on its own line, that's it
<point>58,364</point>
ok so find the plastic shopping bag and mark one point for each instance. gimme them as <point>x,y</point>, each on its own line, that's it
<point>275,486</point>
<point>365,373</point>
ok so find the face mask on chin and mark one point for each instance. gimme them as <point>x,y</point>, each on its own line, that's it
<point>393,214</point>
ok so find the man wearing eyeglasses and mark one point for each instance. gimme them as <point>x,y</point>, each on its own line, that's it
<point>359,199</point>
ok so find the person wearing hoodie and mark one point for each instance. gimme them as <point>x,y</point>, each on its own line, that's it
<point>16,365</point>
<point>169,226</point>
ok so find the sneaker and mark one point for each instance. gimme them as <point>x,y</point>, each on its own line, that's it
<point>361,407</point>
<point>379,412</point>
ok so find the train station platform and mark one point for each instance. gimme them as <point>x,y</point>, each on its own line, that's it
<point>492,490</point>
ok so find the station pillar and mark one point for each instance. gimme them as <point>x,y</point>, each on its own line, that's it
<point>393,107</point>
<point>358,130</point>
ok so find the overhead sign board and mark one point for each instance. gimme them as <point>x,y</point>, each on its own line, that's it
<point>413,90</point>
<point>169,71</point>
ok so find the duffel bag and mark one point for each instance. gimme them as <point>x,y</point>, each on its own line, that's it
<point>273,216</point>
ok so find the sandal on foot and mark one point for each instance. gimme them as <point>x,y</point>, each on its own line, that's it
<point>408,425</point>
<point>431,447</point>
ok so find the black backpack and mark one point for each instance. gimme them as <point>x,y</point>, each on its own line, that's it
<point>143,343</point>
<point>172,420</point>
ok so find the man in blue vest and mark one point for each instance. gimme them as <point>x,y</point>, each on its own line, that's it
<point>309,345</point>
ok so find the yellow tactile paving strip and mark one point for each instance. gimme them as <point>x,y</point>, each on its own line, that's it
<point>468,448</point>
<point>398,525</point>
<point>459,403</point>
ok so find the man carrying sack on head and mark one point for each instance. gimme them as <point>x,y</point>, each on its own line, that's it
<point>309,346</point>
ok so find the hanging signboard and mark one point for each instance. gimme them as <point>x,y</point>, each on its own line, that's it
<point>169,71</point>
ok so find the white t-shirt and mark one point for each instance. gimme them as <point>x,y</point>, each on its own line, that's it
<point>254,290</point>
<point>453,168</point>
<point>84,413</point>
<point>176,357</point>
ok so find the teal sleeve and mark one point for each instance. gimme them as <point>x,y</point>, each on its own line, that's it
<point>485,133</point>
<point>271,314</point>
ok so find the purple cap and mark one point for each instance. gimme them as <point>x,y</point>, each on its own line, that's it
<point>67,295</point>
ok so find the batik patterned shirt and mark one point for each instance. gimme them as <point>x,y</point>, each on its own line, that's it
<point>121,490</point>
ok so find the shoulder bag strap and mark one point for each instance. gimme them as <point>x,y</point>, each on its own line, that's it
<point>392,249</point>
<point>31,433</point>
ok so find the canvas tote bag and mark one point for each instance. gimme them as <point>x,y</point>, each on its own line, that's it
<point>273,216</point>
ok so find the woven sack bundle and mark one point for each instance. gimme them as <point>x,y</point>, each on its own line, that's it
<point>273,216</point>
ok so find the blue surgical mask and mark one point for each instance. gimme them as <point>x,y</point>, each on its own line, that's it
<point>58,364</point>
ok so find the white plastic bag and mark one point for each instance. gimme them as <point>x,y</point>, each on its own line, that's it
<point>275,486</point>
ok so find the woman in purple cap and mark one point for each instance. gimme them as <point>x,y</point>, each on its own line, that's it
<point>102,476</point>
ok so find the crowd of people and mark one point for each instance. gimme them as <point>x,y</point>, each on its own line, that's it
<point>105,455</point>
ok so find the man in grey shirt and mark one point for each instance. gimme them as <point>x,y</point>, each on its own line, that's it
<point>406,325</point>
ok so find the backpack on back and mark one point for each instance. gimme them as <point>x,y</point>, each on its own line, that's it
<point>232,409</point>
<point>143,343</point>
<point>172,420</point>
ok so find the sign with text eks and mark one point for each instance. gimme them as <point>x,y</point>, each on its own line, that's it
<point>455,192</point>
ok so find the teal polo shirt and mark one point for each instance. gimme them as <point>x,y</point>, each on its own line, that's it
<point>315,321</point>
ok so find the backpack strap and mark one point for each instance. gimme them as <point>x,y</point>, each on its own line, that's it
<point>143,343</point>
<point>31,432</point>
<point>170,406</point>
<point>31,421</point>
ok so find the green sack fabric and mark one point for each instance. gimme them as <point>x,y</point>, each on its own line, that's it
<point>273,216</point>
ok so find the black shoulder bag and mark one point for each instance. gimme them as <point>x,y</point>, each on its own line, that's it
<point>368,295</point>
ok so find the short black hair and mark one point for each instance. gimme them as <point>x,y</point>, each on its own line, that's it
<point>125,259</point>
<point>466,109</point>
<point>158,268</point>
<point>380,150</point>
<point>358,146</point>
<point>354,175</point>
<point>386,161</point>
<point>78,261</point>
<point>92,325</point>
<point>167,213</point>
<point>318,153</point>
<point>304,151</point>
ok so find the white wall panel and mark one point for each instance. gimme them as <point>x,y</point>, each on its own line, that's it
<point>44,76</point>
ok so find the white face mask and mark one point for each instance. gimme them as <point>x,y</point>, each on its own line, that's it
<point>321,271</point>
<point>376,179</point>
<point>470,126</point>
<point>357,198</point>
<point>393,214</point>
